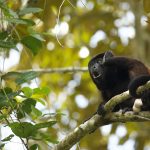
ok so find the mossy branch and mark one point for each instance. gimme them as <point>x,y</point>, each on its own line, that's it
<point>97,121</point>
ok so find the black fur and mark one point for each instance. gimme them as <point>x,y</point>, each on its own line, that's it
<point>113,75</point>
<point>135,83</point>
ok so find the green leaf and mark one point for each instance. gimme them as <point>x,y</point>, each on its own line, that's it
<point>8,138</point>
<point>26,129</point>
<point>20,114</point>
<point>11,75</point>
<point>40,101</point>
<point>20,77</point>
<point>30,10</point>
<point>33,147</point>
<point>23,129</point>
<point>7,11</point>
<point>7,44</point>
<point>36,112</point>
<point>38,36</point>
<point>25,77</point>
<point>3,100</point>
<point>32,43</point>
<point>12,13</point>
<point>27,91</point>
<point>3,6</point>
<point>21,21</point>
<point>3,116</point>
<point>7,90</point>
<point>40,92</point>
<point>3,35</point>
<point>27,105</point>
<point>6,97</point>
<point>2,145</point>
<point>45,124</point>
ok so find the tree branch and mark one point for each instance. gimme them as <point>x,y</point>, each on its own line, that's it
<point>57,70</point>
<point>97,121</point>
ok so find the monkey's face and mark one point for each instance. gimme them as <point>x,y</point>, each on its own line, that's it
<point>96,71</point>
<point>96,64</point>
<point>97,68</point>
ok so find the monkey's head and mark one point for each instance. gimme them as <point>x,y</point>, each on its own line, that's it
<point>96,67</point>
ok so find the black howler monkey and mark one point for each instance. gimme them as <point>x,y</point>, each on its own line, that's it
<point>114,75</point>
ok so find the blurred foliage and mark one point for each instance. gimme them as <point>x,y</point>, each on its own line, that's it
<point>57,33</point>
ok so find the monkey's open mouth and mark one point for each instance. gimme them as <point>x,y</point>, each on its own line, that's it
<point>96,74</point>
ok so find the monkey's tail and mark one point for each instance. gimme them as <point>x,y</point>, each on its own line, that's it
<point>135,83</point>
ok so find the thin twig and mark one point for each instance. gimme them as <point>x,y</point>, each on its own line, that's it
<point>57,70</point>
<point>57,22</point>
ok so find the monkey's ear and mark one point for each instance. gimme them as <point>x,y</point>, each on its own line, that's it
<point>107,55</point>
